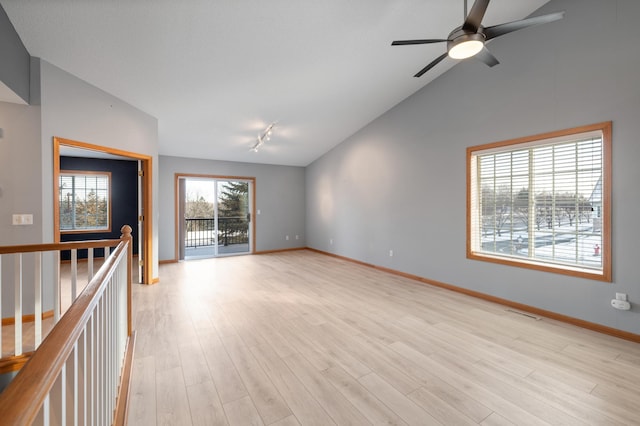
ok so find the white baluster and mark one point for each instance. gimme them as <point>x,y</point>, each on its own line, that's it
<point>57,288</point>
<point>46,411</point>
<point>17,307</point>
<point>100,360</point>
<point>63,395</point>
<point>85,375</point>
<point>89,264</point>
<point>37,291</point>
<point>74,274</point>
<point>98,396</point>
<point>91,406</point>
<point>75,384</point>
<point>114,342</point>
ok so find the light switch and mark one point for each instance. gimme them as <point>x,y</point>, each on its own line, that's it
<point>22,219</point>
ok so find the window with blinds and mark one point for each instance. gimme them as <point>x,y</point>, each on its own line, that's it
<point>543,202</point>
<point>83,199</point>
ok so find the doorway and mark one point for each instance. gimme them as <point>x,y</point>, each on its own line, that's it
<point>214,216</point>
<point>144,224</point>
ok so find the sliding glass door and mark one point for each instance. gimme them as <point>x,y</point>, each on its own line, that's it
<point>216,216</point>
<point>233,217</point>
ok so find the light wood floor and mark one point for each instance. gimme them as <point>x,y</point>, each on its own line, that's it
<point>302,338</point>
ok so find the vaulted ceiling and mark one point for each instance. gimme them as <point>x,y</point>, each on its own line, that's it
<point>216,73</point>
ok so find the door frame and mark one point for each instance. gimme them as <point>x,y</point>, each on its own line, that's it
<point>178,176</point>
<point>145,167</point>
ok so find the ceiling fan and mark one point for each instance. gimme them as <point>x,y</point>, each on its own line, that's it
<point>469,39</point>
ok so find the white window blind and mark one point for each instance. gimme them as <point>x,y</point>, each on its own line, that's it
<point>540,203</point>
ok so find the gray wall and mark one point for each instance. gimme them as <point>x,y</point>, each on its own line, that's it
<point>19,189</point>
<point>74,109</point>
<point>20,172</point>
<point>279,196</point>
<point>14,66</point>
<point>400,183</point>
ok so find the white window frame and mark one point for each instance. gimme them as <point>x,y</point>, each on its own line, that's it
<point>70,193</point>
<point>525,253</point>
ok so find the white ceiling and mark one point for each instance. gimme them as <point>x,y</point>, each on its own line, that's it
<point>215,73</point>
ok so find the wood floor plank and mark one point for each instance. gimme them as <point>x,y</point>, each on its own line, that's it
<point>303,344</point>
<point>142,404</point>
<point>242,412</point>
<point>171,396</point>
<point>305,408</point>
<point>539,405</point>
<point>287,421</point>
<point>472,388</point>
<point>443,412</point>
<point>223,372</point>
<point>332,348</point>
<point>264,394</point>
<point>496,419</point>
<point>452,397</point>
<point>338,407</point>
<point>244,324</point>
<point>205,406</point>
<point>194,364</point>
<point>445,391</point>
<point>588,406</point>
<point>370,406</point>
<point>404,407</point>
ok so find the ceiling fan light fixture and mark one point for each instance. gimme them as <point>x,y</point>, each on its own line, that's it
<point>466,46</point>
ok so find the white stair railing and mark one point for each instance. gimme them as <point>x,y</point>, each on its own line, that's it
<point>38,304</point>
<point>79,374</point>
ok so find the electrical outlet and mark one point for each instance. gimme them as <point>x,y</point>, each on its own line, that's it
<point>390,253</point>
<point>621,296</point>
<point>297,237</point>
<point>621,305</point>
<point>331,241</point>
<point>286,238</point>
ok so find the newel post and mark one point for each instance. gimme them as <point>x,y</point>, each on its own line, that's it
<point>126,236</point>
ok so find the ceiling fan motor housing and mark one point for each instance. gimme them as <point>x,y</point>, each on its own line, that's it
<point>463,43</point>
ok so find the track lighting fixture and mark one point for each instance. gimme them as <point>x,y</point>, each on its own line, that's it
<point>263,137</point>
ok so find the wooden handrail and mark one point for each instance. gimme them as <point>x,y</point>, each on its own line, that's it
<point>68,245</point>
<point>21,400</point>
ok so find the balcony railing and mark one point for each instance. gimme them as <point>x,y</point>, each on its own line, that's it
<point>201,232</point>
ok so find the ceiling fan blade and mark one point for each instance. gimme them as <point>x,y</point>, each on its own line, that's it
<point>487,57</point>
<point>431,65</point>
<point>474,18</point>
<point>509,27</point>
<point>423,41</point>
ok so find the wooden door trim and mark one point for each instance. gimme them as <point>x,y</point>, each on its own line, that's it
<point>146,165</point>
